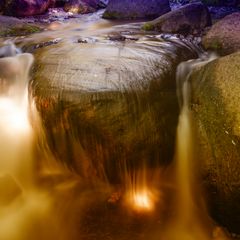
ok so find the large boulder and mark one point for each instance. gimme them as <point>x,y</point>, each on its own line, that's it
<point>187,19</point>
<point>216,112</point>
<point>22,8</point>
<point>224,36</point>
<point>136,9</point>
<point>82,6</point>
<point>109,106</point>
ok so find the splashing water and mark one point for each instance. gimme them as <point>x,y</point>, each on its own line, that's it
<point>19,198</point>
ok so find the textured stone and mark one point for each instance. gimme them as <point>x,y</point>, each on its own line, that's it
<point>22,8</point>
<point>216,112</point>
<point>182,20</point>
<point>224,36</point>
<point>109,106</point>
<point>135,9</point>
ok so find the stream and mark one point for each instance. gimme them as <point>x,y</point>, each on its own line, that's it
<point>97,140</point>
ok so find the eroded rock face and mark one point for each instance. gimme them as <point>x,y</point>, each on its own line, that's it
<point>224,36</point>
<point>22,8</point>
<point>216,112</point>
<point>136,9</point>
<point>187,19</point>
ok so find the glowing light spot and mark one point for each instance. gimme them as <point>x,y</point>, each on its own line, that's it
<point>14,116</point>
<point>143,201</point>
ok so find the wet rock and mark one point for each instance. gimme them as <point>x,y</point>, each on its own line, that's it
<point>22,8</point>
<point>9,190</point>
<point>34,46</point>
<point>82,6</point>
<point>82,40</point>
<point>185,20</point>
<point>221,12</point>
<point>116,37</point>
<point>108,105</point>
<point>224,36</point>
<point>217,117</point>
<point>143,9</point>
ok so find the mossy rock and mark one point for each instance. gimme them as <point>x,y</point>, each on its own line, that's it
<point>113,107</point>
<point>20,30</point>
<point>216,110</point>
<point>185,20</point>
<point>148,27</point>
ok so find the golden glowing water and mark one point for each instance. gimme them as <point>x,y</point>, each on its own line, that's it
<point>26,203</point>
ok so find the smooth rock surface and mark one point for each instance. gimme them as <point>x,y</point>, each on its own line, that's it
<point>187,19</point>
<point>224,36</point>
<point>136,9</point>
<point>216,112</point>
<point>107,106</point>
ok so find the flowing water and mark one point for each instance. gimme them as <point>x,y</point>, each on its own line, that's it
<point>91,160</point>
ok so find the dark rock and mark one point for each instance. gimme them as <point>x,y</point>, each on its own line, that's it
<point>216,112</point>
<point>22,8</point>
<point>224,36</point>
<point>1,5</point>
<point>136,9</point>
<point>221,12</point>
<point>185,20</point>
<point>230,3</point>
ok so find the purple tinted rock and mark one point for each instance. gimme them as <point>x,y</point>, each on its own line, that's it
<point>136,9</point>
<point>22,8</point>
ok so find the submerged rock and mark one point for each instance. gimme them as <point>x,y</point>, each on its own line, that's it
<point>22,8</point>
<point>224,36</point>
<point>135,9</point>
<point>216,112</point>
<point>187,19</point>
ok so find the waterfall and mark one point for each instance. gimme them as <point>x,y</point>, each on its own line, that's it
<point>19,198</point>
<point>191,220</point>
